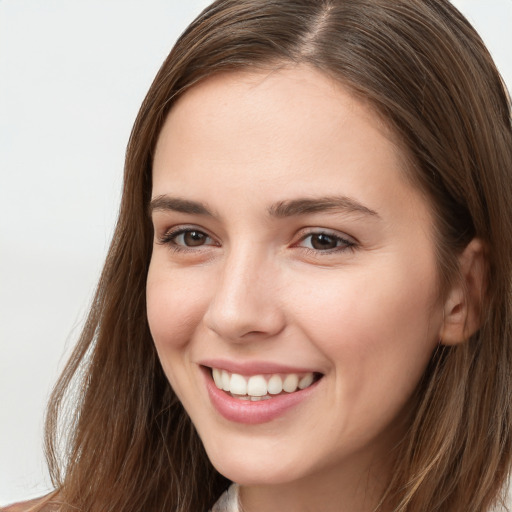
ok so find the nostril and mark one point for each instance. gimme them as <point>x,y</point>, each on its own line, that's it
<point>245,324</point>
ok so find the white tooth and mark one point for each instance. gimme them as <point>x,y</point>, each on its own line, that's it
<point>217,378</point>
<point>257,386</point>
<point>306,381</point>
<point>238,385</point>
<point>275,385</point>
<point>225,380</point>
<point>290,382</point>
<point>259,398</point>
<point>241,397</point>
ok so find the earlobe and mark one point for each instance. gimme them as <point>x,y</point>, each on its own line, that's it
<point>463,305</point>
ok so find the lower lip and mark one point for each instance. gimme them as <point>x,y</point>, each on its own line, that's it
<point>251,413</point>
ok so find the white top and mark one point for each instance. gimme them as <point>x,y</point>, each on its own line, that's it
<point>228,502</point>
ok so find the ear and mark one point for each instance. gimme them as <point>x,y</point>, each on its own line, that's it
<point>463,305</point>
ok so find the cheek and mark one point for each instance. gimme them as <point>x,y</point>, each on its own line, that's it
<point>368,308</point>
<point>174,308</point>
<point>378,329</point>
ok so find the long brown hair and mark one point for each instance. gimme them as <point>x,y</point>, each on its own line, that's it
<point>125,440</point>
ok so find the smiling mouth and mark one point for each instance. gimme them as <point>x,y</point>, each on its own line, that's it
<point>262,387</point>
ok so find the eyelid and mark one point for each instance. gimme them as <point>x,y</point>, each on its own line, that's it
<point>344,241</point>
<point>347,242</point>
<point>170,235</point>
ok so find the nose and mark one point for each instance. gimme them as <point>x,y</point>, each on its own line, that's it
<point>245,304</point>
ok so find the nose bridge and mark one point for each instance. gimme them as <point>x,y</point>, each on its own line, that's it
<point>246,299</point>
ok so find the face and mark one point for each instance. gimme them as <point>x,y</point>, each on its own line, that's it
<point>293,266</point>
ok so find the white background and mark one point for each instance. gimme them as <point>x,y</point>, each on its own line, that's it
<point>72,76</point>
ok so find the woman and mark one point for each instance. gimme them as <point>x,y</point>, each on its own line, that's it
<point>313,250</point>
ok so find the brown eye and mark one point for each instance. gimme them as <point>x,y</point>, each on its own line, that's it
<point>322,242</point>
<point>194,238</point>
<point>186,238</point>
<point>326,242</point>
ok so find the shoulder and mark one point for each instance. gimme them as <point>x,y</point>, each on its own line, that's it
<point>30,506</point>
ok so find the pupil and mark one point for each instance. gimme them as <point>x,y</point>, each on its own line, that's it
<point>194,238</point>
<point>323,242</point>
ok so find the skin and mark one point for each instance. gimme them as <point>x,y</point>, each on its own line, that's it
<point>366,315</point>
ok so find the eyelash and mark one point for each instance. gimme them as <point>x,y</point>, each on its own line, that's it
<point>169,238</point>
<point>342,244</point>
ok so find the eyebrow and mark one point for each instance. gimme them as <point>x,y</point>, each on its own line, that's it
<point>177,204</point>
<point>281,209</point>
<point>304,206</point>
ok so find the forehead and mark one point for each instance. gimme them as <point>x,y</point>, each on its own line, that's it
<point>280,132</point>
<point>278,101</point>
<point>284,88</point>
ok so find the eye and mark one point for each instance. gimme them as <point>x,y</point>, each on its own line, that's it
<point>325,242</point>
<point>191,238</point>
<point>185,238</point>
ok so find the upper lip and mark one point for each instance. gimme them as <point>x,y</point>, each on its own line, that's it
<point>253,367</point>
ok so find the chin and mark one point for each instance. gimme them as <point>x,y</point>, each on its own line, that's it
<point>244,473</point>
<point>247,468</point>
